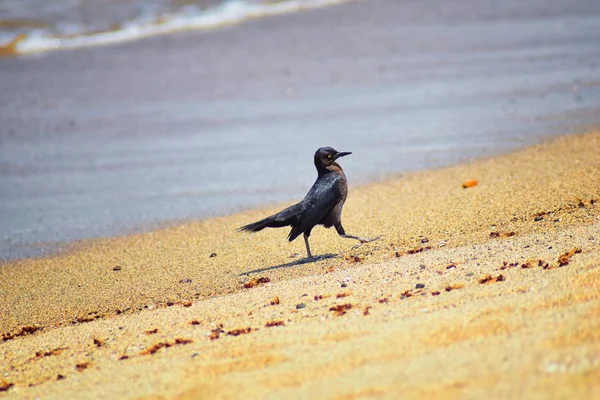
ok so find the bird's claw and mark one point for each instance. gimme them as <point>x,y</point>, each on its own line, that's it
<point>363,241</point>
<point>369,240</point>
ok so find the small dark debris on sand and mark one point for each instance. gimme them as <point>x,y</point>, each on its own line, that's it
<point>271,324</point>
<point>157,346</point>
<point>565,258</point>
<point>239,331</point>
<point>454,286</point>
<point>25,330</point>
<point>48,353</point>
<point>340,309</point>
<point>491,279</point>
<point>4,386</point>
<point>82,366</point>
<point>354,259</point>
<point>256,281</point>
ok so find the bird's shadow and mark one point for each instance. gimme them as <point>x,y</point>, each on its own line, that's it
<point>301,261</point>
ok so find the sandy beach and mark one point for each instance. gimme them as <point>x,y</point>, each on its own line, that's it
<point>125,171</point>
<point>486,291</point>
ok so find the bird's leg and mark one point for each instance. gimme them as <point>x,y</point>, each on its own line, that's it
<point>307,245</point>
<point>340,230</point>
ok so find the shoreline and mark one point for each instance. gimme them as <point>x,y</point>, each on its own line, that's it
<point>46,250</point>
<point>195,241</point>
<point>507,307</point>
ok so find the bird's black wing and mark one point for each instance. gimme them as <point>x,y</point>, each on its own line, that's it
<point>322,197</point>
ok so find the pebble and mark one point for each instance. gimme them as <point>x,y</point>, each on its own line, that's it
<point>344,284</point>
<point>213,255</point>
<point>424,240</point>
<point>419,285</point>
<point>538,218</point>
<point>185,280</point>
<point>299,306</point>
<point>117,268</point>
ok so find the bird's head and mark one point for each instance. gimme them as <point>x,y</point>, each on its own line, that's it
<point>326,156</point>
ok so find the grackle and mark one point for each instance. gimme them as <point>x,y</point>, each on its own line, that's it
<point>322,205</point>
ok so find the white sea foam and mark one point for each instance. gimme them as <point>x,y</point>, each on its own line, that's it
<point>189,17</point>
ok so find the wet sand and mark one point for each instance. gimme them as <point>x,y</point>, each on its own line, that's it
<point>490,291</point>
<point>121,139</point>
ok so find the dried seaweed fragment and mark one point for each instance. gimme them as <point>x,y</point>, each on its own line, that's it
<point>366,310</point>
<point>564,259</point>
<point>151,331</point>
<point>342,295</point>
<point>271,324</point>
<point>194,322</point>
<point>543,264</point>
<point>82,366</point>
<point>506,265</point>
<point>157,346</point>
<point>418,250</point>
<point>454,286</point>
<point>354,259</point>
<point>25,330</point>
<point>215,334</point>
<point>256,281</point>
<point>340,309</point>
<point>239,331</point>
<point>491,279</point>
<point>4,385</point>
<point>92,316</point>
<point>48,353</point>
<point>99,342</point>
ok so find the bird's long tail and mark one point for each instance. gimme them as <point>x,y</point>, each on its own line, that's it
<point>287,217</point>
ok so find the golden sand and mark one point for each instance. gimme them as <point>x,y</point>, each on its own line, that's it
<point>496,316</point>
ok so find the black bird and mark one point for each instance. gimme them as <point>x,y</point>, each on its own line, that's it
<point>322,205</point>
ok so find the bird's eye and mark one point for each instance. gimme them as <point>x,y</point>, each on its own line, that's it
<point>329,156</point>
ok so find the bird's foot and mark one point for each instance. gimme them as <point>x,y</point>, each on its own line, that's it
<point>363,241</point>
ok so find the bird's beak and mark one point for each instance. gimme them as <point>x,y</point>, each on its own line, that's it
<point>341,154</point>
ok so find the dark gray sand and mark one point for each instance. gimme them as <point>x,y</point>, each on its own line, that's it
<point>108,140</point>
